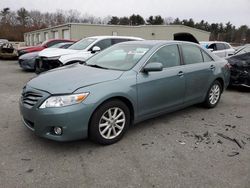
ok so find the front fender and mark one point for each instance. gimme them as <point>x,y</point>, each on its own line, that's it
<point>124,87</point>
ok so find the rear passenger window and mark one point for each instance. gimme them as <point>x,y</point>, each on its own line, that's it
<point>167,55</point>
<point>220,46</point>
<point>206,57</point>
<point>104,44</point>
<point>191,54</point>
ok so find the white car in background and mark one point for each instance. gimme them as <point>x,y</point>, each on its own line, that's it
<point>79,51</point>
<point>221,49</point>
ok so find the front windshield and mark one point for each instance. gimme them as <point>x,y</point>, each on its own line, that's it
<point>82,44</point>
<point>243,50</point>
<point>44,43</point>
<point>119,57</point>
<point>58,45</point>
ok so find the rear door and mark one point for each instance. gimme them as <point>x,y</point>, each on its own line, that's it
<point>221,50</point>
<point>198,72</point>
<point>229,50</point>
<point>159,91</point>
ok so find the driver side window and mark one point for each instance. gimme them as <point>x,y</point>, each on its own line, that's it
<point>167,55</point>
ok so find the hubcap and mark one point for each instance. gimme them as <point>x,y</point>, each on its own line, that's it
<point>214,94</point>
<point>112,123</point>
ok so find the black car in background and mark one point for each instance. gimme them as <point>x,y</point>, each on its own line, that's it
<point>240,67</point>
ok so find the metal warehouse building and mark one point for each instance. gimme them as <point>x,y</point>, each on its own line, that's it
<point>78,31</point>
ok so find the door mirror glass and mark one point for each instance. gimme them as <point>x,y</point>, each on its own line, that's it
<point>153,67</point>
<point>95,49</point>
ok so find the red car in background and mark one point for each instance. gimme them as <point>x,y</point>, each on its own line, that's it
<point>42,46</point>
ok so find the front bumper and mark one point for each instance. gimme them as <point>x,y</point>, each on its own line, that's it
<point>73,120</point>
<point>27,64</point>
<point>43,64</point>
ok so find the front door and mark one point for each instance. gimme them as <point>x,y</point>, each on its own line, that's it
<point>160,91</point>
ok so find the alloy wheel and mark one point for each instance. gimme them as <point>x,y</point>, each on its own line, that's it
<point>214,94</point>
<point>112,123</point>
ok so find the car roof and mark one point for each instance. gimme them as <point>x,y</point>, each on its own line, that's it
<point>159,42</point>
<point>115,37</point>
<point>211,42</point>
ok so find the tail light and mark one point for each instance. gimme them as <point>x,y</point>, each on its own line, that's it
<point>227,65</point>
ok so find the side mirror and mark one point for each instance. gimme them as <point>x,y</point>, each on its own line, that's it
<point>211,49</point>
<point>153,67</point>
<point>95,49</point>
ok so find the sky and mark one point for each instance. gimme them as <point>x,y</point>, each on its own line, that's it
<point>235,11</point>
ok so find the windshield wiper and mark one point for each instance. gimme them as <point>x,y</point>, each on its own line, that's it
<point>97,66</point>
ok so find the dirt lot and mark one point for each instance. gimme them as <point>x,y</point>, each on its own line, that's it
<point>188,148</point>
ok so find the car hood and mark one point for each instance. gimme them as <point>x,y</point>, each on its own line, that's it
<point>79,56</point>
<point>30,55</point>
<point>56,52</point>
<point>67,79</point>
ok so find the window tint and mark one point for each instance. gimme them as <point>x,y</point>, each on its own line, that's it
<point>167,55</point>
<point>220,46</point>
<point>191,54</point>
<point>104,43</point>
<point>206,57</point>
<point>115,41</point>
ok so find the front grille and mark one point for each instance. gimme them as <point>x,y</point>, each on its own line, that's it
<point>31,98</point>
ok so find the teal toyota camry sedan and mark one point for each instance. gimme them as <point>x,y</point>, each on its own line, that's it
<point>122,85</point>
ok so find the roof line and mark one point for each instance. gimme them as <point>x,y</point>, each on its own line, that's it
<point>106,25</point>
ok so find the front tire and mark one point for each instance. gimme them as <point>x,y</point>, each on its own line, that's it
<point>109,122</point>
<point>213,95</point>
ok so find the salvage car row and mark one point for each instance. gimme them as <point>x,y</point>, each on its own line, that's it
<point>104,84</point>
<point>58,52</point>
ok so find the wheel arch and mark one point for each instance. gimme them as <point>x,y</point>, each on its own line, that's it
<point>124,99</point>
<point>221,81</point>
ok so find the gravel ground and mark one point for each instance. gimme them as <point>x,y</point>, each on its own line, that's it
<point>194,147</point>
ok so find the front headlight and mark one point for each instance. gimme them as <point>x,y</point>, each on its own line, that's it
<point>52,58</point>
<point>64,100</point>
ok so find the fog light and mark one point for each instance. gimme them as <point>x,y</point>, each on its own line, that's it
<point>58,130</point>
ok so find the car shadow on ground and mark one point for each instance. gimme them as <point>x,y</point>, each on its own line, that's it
<point>133,130</point>
<point>239,89</point>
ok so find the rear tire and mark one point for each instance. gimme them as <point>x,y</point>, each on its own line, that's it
<point>213,95</point>
<point>109,122</point>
